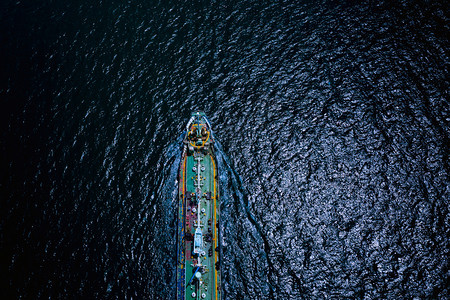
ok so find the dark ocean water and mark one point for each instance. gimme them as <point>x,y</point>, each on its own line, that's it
<point>333,122</point>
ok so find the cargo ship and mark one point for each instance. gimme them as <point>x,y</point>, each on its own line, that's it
<point>198,234</point>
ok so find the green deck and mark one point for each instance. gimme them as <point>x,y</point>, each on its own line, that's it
<point>198,154</point>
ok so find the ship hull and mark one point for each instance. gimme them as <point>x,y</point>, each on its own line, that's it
<point>198,247</point>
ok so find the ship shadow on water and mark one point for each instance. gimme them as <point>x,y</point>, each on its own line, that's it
<point>244,246</point>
